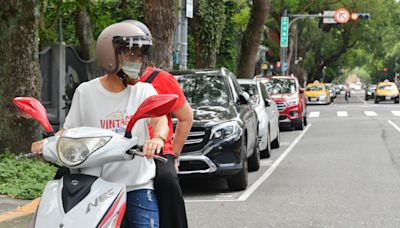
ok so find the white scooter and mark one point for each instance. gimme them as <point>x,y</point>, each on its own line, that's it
<point>83,198</point>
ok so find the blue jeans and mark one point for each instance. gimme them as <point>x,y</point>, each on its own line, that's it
<point>141,209</point>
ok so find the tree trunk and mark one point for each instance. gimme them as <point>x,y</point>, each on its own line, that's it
<point>19,70</point>
<point>251,39</point>
<point>160,17</point>
<point>208,24</point>
<point>84,33</point>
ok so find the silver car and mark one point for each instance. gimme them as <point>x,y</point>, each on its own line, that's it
<point>267,113</point>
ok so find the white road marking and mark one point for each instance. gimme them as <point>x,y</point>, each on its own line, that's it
<point>394,125</point>
<point>246,194</point>
<point>341,113</point>
<point>225,196</point>
<point>396,113</point>
<point>284,143</point>
<point>314,114</point>
<point>370,113</point>
<point>266,162</point>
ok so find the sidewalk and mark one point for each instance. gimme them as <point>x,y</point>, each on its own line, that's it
<point>11,209</point>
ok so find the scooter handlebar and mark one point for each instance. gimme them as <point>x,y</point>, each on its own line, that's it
<point>138,151</point>
<point>28,155</point>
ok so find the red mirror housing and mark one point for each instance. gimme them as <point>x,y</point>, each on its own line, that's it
<point>153,106</point>
<point>31,108</point>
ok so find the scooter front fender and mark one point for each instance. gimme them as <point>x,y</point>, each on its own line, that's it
<point>104,203</point>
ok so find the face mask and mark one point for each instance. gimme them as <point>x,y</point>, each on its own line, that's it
<point>131,69</point>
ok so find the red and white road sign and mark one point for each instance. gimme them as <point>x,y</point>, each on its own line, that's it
<point>342,15</point>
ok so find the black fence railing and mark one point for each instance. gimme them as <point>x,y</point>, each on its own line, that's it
<point>61,71</point>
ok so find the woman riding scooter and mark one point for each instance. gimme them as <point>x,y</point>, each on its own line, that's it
<point>107,102</point>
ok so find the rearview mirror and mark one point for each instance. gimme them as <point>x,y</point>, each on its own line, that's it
<point>153,106</point>
<point>244,98</point>
<point>30,108</point>
<point>267,103</point>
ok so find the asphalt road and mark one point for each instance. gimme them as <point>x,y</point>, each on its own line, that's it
<point>341,171</point>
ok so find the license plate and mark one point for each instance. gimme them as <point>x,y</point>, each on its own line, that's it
<point>314,99</point>
<point>388,98</point>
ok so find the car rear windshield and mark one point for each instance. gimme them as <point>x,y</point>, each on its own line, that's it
<point>279,86</point>
<point>314,88</point>
<point>387,87</point>
<point>204,90</point>
<point>251,89</point>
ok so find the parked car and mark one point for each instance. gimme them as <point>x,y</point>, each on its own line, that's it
<point>223,138</point>
<point>386,91</point>
<point>339,88</point>
<point>331,89</point>
<point>290,99</point>
<point>317,93</point>
<point>267,114</point>
<point>370,91</point>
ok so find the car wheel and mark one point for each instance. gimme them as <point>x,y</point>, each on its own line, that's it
<point>254,159</point>
<point>366,97</point>
<point>396,100</point>
<point>240,180</point>
<point>267,152</point>
<point>376,100</point>
<point>299,125</point>
<point>305,120</point>
<point>276,143</point>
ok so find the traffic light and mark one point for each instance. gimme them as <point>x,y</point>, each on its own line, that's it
<point>360,16</point>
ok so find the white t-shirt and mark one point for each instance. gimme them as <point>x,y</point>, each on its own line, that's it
<point>94,106</point>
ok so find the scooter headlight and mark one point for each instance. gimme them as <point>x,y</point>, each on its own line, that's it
<point>73,151</point>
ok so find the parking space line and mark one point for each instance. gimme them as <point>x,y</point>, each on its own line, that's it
<point>396,113</point>
<point>341,113</point>
<point>314,114</point>
<point>394,125</point>
<point>246,194</point>
<point>370,113</point>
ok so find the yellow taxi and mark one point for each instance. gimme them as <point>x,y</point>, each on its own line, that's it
<point>317,93</point>
<point>386,91</point>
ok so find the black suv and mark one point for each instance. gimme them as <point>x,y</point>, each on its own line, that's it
<point>223,139</point>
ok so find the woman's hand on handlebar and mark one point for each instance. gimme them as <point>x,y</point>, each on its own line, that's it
<point>153,146</point>
<point>37,147</point>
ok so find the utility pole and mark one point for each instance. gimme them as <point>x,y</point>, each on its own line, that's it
<point>185,11</point>
<point>284,41</point>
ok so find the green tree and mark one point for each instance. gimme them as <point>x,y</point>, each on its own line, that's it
<point>206,28</point>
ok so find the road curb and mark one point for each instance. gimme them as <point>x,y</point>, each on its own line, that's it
<point>20,211</point>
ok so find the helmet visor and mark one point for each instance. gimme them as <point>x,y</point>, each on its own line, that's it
<point>130,41</point>
<point>133,54</point>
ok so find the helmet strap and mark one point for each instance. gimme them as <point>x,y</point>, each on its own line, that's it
<point>122,76</point>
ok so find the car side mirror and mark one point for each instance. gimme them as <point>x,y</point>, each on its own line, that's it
<point>301,90</point>
<point>267,103</point>
<point>244,98</point>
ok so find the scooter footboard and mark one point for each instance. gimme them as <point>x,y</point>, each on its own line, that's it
<point>104,205</point>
